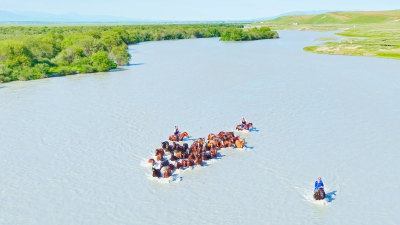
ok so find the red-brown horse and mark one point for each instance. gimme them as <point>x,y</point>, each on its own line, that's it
<point>152,161</point>
<point>181,136</point>
<point>159,151</point>
<point>167,172</point>
<point>213,152</point>
<point>159,157</point>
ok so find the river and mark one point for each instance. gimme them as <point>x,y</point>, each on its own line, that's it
<point>72,148</point>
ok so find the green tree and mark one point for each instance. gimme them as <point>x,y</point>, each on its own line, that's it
<point>101,62</point>
<point>120,55</point>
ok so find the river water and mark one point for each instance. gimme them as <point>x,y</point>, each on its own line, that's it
<point>72,148</point>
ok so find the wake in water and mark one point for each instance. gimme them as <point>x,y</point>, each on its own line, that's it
<point>308,195</point>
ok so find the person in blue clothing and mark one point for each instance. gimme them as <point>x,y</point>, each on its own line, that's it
<point>318,184</point>
<point>244,123</point>
<point>176,132</point>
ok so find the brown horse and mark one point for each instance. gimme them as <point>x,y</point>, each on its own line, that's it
<point>198,161</point>
<point>211,136</point>
<point>191,162</point>
<point>201,141</point>
<point>180,137</point>
<point>239,144</point>
<point>213,152</point>
<point>248,126</point>
<point>159,151</point>
<point>173,157</point>
<point>178,165</point>
<point>227,143</point>
<point>230,134</point>
<point>152,161</point>
<point>203,156</point>
<point>221,134</point>
<point>160,157</point>
<point>319,194</point>
<point>167,173</point>
<point>179,154</point>
<point>212,143</point>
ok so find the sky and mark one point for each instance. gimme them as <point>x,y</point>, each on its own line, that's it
<point>191,9</point>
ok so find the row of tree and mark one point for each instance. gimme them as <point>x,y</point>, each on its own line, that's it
<point>36,52</point>
<point>232,34</point>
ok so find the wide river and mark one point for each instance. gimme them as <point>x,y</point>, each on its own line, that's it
<point>73,149</point>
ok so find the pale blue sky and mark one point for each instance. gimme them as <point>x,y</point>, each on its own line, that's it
<point>190,9</point>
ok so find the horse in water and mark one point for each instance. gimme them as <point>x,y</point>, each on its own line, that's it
<point>247,126</point>
<point>319,194</point>
<point>240,143</point>
<point>180,137</point>
<point>152,161</point>
<point>156,172</point>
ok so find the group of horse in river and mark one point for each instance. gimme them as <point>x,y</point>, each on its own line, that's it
<point>175,156</point>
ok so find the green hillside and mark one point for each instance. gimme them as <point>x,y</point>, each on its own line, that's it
<point>341,18</point>
<point>380,29</point>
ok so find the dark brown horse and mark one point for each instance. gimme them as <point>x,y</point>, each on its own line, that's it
<point>178,165</point>
<point>319,194</point>
<point>164,163</point>
<point>173,157</point>
<point>156,173</point>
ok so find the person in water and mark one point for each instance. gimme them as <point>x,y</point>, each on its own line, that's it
<point>176,132</point>
<point>244,122</point>
<point>318,184</point>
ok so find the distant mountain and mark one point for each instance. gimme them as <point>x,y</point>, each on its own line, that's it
<point>48,18</point>
<point>7,16</point>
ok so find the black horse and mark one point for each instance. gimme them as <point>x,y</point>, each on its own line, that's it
<point>319,194</point>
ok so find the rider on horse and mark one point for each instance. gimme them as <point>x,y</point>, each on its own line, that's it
<point>318,184</point>
<point>244,123</point>
<point>176,132</point>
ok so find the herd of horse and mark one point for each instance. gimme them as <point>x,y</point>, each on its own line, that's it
<point>175,156</point>
<point>171,157</point>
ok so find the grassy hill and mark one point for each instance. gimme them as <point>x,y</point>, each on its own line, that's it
<point>381,30</point>
<point>341,18</point>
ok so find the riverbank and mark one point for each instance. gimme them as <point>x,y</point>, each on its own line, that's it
<point>36,52</point>
<point>375,34</point>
